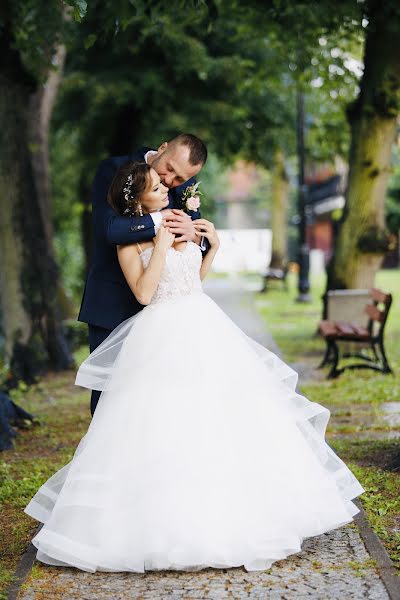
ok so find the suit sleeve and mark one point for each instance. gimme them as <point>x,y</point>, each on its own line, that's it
<point>108,225</point>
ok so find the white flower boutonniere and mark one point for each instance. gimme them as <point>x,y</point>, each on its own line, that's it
<point>191,197</point>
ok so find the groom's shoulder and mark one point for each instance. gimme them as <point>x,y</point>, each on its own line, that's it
<point>139,154</point>
<point>115,162</point>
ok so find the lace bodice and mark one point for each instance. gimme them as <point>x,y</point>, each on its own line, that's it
<point>181,273</point>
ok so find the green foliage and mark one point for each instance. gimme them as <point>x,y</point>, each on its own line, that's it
<point>65,165</point>
<point>138,74</point>
<point>35,28</point>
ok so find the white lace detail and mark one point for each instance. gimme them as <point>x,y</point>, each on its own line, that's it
<point>181,273</point>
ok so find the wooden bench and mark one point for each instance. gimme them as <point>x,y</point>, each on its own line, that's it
<point>362,336</point>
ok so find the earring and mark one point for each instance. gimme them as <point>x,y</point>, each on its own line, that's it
<point>140,210</point>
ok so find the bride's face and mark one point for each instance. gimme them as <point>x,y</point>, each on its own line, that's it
<point>156,197</point>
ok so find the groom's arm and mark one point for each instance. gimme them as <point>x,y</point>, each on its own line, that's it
<point>108,225</point>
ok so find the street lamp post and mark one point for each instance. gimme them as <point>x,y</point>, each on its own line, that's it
<point>303,208</point>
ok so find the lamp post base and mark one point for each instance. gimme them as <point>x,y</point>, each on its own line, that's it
<point>303,297</point>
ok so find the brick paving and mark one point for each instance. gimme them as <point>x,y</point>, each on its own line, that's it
<point>333,566</point>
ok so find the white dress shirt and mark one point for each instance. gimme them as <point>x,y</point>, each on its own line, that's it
<point>156,216</point>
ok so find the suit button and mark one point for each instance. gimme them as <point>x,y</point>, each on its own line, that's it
<point>133,228</point>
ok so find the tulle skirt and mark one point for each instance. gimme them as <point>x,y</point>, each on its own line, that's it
<point>200,453</point>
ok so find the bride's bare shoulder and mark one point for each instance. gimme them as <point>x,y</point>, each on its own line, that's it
<point>136,249</point>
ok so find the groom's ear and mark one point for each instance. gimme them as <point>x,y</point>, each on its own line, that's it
<point>163,147</point>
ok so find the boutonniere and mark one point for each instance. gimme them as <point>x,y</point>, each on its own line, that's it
<point>191,197</point>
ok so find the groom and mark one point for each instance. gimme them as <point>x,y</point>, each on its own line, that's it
<point>107,298</point>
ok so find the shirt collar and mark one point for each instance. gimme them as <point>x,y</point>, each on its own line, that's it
<point>149,153</point>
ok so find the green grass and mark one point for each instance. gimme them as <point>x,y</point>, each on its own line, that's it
<point>354,398</point>
<point>40,450</point>
<point>292,323</point>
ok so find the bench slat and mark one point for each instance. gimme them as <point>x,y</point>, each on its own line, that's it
<point>344,328</point>
<point>374,313</point>
<point>361,331</point>
<point>327,328</point>
<point>379,296</point>
<point>341,329</point>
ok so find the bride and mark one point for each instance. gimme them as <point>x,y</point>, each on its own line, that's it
<point>200,452</point>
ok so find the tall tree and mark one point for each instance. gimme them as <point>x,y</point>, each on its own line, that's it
<point>280,208</point>
<point>362,239</point>
<point>30,36</point>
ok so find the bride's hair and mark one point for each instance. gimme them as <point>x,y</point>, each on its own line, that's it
<point>130,182</point>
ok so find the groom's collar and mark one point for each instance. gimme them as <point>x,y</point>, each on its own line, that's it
<point>149,153</point>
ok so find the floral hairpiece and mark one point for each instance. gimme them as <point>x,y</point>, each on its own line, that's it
<point>128,187</point>
<point>127,193</point>
<point>191,197</point>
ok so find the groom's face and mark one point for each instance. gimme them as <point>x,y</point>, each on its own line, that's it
<point>172,164</point>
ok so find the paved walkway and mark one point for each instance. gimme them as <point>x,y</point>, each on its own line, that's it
<point>334,566</point>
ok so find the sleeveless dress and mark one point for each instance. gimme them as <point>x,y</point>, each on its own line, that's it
<point>200,452</point>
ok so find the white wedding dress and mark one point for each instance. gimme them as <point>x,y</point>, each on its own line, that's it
<point>200,452</point>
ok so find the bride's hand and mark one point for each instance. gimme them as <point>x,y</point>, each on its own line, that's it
<point>164,238</point>
<point>206,228</point>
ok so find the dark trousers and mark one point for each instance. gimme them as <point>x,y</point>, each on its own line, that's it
<point>97,335</point>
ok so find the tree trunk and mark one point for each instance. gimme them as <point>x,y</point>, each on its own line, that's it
<point>361,240</point>
<point>29,276</point>
<point>279,221</point>
<point>40,110</point>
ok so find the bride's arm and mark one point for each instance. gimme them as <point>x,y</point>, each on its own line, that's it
<point>206,229</point>
<point>144,282</point>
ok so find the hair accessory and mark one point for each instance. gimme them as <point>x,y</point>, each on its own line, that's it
<point>128,188</point>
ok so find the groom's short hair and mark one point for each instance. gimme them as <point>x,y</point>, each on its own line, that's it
<point>198,149</point>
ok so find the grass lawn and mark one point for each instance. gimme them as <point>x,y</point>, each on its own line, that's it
<point>359,430</point>
<point>39,451</point>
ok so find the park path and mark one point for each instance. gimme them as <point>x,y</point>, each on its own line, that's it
<point>334,566</point>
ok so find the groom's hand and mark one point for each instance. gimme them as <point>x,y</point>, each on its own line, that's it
<point>180,224</point>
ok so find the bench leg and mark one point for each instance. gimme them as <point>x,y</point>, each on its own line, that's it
<point>334,372</point>
<point>325,360</point>
<point>385,364</point>
<point>375,352</point>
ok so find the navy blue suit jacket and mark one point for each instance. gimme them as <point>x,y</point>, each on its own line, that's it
<point>107,298</point>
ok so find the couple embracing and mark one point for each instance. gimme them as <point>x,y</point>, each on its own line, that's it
<point>200,452</point>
